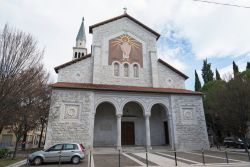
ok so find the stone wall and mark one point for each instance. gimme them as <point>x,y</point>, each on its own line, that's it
<point>103,73</point>
<point>169,79</point>
<point>80,72</point>
<point>189,122</point>
<point>70,117</point>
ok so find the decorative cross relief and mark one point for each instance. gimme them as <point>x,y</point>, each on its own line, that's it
<point>72,111</point>
<point>188,115</point>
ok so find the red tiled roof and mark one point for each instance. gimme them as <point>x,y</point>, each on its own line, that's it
<point>71,62</point>
<point>121,16</point>
<point>71,85</point>
<point>172,68</point>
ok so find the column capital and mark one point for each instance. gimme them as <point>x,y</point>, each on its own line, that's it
<point>118,115</point>
<point>147,115</point>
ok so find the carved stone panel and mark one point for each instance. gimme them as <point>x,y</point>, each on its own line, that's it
<point>71,112</point>
<point>188,115</point>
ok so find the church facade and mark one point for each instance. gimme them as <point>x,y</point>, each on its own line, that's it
<point>121,94</point>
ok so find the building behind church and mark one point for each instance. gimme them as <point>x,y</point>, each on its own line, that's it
<point>120,94</point>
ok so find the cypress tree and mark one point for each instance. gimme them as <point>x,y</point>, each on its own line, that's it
<point>207,73</point>
<point>197,85</point>
<point>248,66</point>
<point>217,75</point>
<point>235,68</point>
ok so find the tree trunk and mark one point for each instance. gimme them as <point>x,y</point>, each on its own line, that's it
<point>24,141</point>
<point>1,129</point>
<point>14,154</point>
<point>40,137</point>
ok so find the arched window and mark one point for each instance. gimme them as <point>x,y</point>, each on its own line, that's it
<point>126,70</point>
<point>136,70</point>
<point>116,69</point>
<point>82,54</point>
<point>79,55</point>
<point>75,54</point>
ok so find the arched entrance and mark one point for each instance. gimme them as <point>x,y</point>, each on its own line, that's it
<point>133,125</point>
<point>159,125</point>
<point>105,127</point>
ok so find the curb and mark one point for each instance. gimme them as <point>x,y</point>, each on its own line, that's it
<point>17,164</point>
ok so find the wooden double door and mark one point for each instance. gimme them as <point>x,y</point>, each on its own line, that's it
<point>128,133</point>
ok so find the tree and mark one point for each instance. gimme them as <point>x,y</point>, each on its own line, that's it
<point>22,80</point>
<point>207,73</point>
<point>197,82</point>
<point>248,66</point>
<point>25,115</point>
<point>232,104</point>
<point>235,69</point>
<point>18,55</point>
<point>43,108</point>
<point>210,90</point>
<point>217,75</point>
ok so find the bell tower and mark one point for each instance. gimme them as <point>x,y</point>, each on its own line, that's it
<point>80,49</point>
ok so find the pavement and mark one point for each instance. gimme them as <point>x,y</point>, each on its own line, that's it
<point>163,158</point>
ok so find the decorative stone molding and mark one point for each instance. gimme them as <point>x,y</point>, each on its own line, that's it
<point>188,115</point>
<point>108,99</point>
<point>119,100</point>
<point>70,112</point>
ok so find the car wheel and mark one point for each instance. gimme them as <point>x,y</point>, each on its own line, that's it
<point>37,161</point>
<point>75,160</point>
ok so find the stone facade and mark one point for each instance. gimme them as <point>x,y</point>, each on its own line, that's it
<point>80,72</point>
<point>95,117</point>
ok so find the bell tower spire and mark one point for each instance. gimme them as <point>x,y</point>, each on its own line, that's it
<point>80,48</point>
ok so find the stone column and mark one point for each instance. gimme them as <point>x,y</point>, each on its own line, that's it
<point>148,140</point>
<point>119,135</point>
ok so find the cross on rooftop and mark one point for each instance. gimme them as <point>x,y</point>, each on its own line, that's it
<point>125,10</point>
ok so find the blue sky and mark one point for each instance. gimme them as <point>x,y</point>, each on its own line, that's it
<point>178,47</point>
<point>190,31</point>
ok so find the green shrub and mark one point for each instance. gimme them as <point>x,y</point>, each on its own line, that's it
<point>3,152</point>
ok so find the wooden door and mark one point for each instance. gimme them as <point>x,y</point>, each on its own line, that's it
<point>128,133</point>
<point>166,132</point>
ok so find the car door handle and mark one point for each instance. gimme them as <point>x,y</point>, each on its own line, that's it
<point>72,151</point>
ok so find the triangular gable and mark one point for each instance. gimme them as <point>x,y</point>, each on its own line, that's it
<point>172,68</point>
<point>122,16</point>
<point>71,62</point>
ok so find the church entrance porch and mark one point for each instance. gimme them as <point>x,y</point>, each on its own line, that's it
<point>159,126</point>
<point>105,129</point>
<point>133,125</point>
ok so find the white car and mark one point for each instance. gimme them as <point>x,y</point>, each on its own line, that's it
<point>65,152</point>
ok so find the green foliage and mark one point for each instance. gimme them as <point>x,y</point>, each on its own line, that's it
<point>207,73</point>
<point>197,82</point>
<point>210,90</point>
<point>248,66</point>
<point>226,104</point>
<point>3,152</point>
<point>235,69</point>
<point>217,75</point>
<point>246,73</point>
